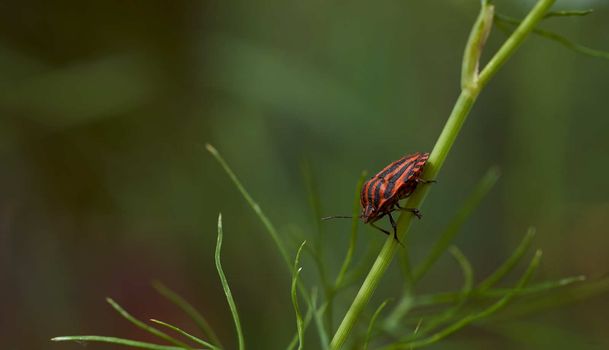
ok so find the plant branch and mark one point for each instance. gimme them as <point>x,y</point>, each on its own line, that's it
<point>515,40</point>
<point>436,160</point>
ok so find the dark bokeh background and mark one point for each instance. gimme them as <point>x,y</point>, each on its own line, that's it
<point>105,185</point>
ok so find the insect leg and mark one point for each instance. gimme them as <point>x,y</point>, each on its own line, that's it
<point>395,228</point>
<point>416,212</point>
<point>423,181</point>
<point>380,228</point>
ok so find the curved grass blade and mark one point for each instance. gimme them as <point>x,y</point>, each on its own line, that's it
<point>188,309</point>
<point>506,20</point>
<point>510,263</point>
<point>466,268</point>
<point>373,321</point>
<point>458,325</point>
<point>299,320</point>
<point>227,292</point>
<point>265,220</point>
<point>258,210</point>
<point>307,320</point>
<point>144,326</point>
<point>185,334</point>
<point>471,203</point>
<point>117,341</point>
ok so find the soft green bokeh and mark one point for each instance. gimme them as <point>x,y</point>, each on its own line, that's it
<point>105,108</point>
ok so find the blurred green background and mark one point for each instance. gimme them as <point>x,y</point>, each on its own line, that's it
<point>105,184</point>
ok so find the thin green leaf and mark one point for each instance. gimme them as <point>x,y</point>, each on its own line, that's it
<point>571,45</point>
<point>117,341</point>
<point>189,310</point>
<point>185,334</point>
<point>451,297</point>
<point>373,321</point>
<point>353,240</point>
<point>307,320</point>
<point>466,269</point>
<point>510,263</point>
<point>144,326</point>
<point>299,320</point>
<point>558,299</point>
<point>227,292</point>
<point>568,13</point>
<point>473,200</point>
<point>463,295</point>
<point>458,325</point>
<point>537,288</point>
<point>392,324</point>
<point>265,220</point>
<point>506,20</point>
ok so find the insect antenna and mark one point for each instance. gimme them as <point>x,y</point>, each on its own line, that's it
<point>337,217</point>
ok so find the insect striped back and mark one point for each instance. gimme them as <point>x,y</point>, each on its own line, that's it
<point>381,194</point>
<point>396,181</point>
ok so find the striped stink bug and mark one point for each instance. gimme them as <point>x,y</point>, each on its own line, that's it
<point>381,194</point>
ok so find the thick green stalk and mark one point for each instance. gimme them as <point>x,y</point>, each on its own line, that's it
<point>460,111</point>
<point>437,157</point>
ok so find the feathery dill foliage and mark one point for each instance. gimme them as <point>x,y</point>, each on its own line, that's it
<point>409,320</point>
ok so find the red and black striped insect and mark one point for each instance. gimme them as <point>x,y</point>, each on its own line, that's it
<point>381,194</point>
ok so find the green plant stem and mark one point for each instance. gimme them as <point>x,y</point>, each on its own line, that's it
<point>459,114</point>
<point>225,286</point>
<point>515,40</point>
<point>453,125</point>
<point>340,278</point>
